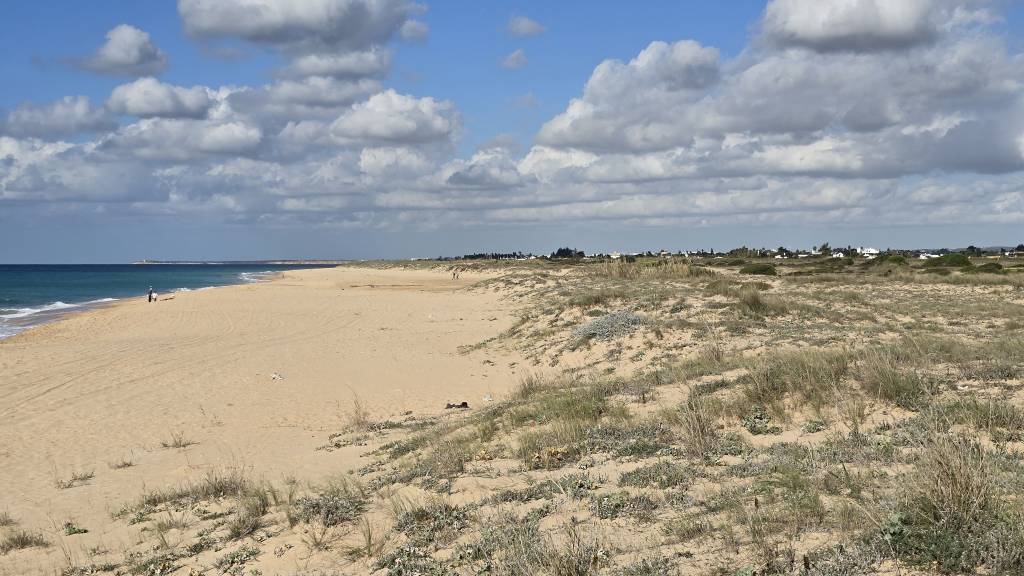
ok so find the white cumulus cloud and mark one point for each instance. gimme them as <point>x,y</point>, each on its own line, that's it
<point>392,117</point>
<point>128,51</point>
<point>372,62</point>
<point>148,97</point>
<point>865,25</point>
<point>183,139</point>
<point>311,25</point>
<point>65,117</point>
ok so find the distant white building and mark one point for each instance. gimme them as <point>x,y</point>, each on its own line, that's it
<point>867,251</point>
<point>615,255</point>
<point>926,256</point>
<point>838,254</point>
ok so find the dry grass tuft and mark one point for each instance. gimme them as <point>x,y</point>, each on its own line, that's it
<point>22,539</point>
<point>76,479</point>
<point>214,485</point>
<point>177,440</point>
<point>250,508</point>
<point>661,269</point>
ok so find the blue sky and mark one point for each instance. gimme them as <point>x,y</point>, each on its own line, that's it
<point>760,123</point>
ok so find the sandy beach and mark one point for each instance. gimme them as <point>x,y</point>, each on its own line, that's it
<point>255,376</point>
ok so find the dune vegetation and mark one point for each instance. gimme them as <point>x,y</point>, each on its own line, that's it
<point>680,417</point>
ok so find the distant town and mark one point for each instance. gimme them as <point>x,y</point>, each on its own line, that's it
<point>824,250</point>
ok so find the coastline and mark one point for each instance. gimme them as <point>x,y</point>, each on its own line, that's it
<point>28,318</point>
<point>253,376</point>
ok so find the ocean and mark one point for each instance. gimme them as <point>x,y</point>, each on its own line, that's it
<point>32,294</point>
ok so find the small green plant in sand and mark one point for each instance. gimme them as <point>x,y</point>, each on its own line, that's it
<point>121,463</point>
<point>71,528</point>
<point>615,504</point>
<point>77,478</point>
<point>236,558</point>
<point>177,440</point>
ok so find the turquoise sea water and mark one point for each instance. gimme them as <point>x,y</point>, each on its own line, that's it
<point>34,294</point>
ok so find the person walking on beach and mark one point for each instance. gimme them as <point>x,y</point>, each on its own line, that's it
<point>150,293</point>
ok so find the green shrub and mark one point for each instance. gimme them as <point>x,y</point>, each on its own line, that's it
<point>340,502</point>
<point>610,326</point>
<point>987,268</point>
<point>948,261</point>
<point>617,504</point>
<point>437,522</point>
<point>760,269</point>
<point>956,516</point>
<point>895,259</point>
<point>758,422</point>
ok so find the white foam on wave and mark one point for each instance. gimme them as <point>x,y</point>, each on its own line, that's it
<point>25,312</point>
<point>20,319</point>
<point>253,277</point>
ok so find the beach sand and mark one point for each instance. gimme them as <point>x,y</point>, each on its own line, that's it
<point>257,376</point>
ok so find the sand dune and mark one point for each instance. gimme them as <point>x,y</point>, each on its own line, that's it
<point>255,375</point>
